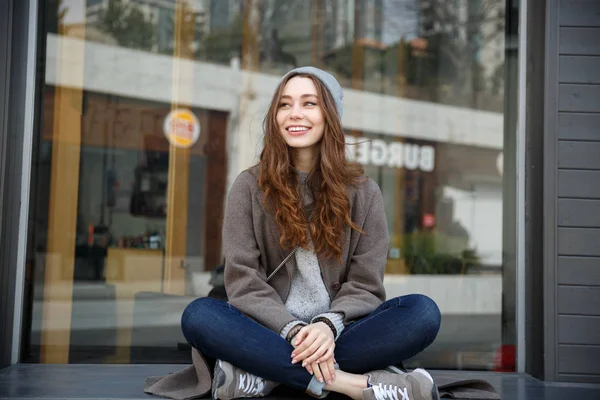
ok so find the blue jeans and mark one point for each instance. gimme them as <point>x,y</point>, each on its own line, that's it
<point>397,330</point>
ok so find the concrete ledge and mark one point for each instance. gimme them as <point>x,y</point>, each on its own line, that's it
<point>84,381</point>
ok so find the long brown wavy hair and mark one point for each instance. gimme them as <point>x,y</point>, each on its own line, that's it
<point>329,180</point>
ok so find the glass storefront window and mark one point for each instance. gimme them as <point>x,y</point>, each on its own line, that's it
<point>150,109</point>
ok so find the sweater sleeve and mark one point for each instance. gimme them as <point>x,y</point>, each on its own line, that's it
<point>245,278</point>
<point>337,319</point>
<point>286,329</point>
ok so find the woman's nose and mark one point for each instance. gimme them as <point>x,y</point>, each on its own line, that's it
<point>297,112</point>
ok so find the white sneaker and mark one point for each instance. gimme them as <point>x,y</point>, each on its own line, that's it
<point>415,385</point>
<point>230,382</point>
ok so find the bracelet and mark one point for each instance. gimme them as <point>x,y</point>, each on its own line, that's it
<point>327,322</point>
<point>293,332</point>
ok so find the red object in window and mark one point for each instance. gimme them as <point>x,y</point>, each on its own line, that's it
<point>506,360</point>
<point>90,238</point>
<point>428,220</point>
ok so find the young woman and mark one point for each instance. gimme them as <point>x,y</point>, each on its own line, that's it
<point>305,242</point>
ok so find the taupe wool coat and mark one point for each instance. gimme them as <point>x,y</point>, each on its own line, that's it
<point>252,252</point>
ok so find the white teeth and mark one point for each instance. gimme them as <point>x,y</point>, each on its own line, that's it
<point>297,129</point>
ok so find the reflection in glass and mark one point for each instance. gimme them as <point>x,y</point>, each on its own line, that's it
<point>127,201</point>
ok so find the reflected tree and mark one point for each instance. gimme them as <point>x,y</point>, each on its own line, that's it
<point>222,43</point>
<point>128,25</point>
<point>192,32</point>
<point>285,35</point>
<point>464,42</point>
<point>436,50</point>
<point>272,39</point>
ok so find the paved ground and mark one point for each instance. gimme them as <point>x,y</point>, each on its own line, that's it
<point>70,382</point>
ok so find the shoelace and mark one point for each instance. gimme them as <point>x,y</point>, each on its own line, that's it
<point>251,384</point>
<point>390,392</point>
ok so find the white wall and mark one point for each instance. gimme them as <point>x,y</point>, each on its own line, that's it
<point>480,212</point>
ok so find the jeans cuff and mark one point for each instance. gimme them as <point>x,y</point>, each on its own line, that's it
<point>315,388</point>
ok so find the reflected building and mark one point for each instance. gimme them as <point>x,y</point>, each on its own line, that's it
<point>146,212</point>
<point>125,123</point>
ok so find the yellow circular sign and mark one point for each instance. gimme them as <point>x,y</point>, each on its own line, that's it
<point>182,128</point>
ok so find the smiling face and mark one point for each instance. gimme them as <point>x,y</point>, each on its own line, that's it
<point>299,117</point>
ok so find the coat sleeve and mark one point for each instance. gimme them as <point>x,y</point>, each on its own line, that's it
<point>363,290</point>
<point>245,278</point>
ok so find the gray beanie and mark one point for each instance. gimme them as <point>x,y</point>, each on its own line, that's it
<point>328,80</point>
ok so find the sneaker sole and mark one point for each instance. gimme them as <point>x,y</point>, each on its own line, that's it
<point>435,394</point>
<point>219,381</point>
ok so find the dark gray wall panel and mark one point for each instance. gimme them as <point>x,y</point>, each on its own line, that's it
<point>550,185</point>
<point>572,190</point>
<point>579,98</point>
<point>579,13</point>
<point>576,329</point>
<point>579,242</point>
<point>579,41</point>
<point>579,69</point>
<point>578,213</point>
<point>582,184</point>
<point>579,300</point>
<point>579,270</point>
<point>573,126</point>
<point>579,359</point>
<point>579,155</point>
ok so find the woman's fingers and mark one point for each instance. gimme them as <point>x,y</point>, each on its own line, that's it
<point>309,369</point>
<point>299,355</point>
<point>320,352</point>
<point>305,354</point>
<point>327,356</point>
<point>312,342</point>
<point>300,336</point>
<point>307,338</point>
<point>327,378</point>
<point>315,351</point>
<point>317,371</point>
<point>324,372</point>
<point>328,366</point>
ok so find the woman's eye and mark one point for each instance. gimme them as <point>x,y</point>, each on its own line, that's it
<point>310,103</point>
<point>283,105</point>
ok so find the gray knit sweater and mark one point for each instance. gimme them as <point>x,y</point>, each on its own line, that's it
<point>308,297</point>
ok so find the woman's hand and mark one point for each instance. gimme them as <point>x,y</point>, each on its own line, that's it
<point>314,344</point>
<point>324,372</point>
